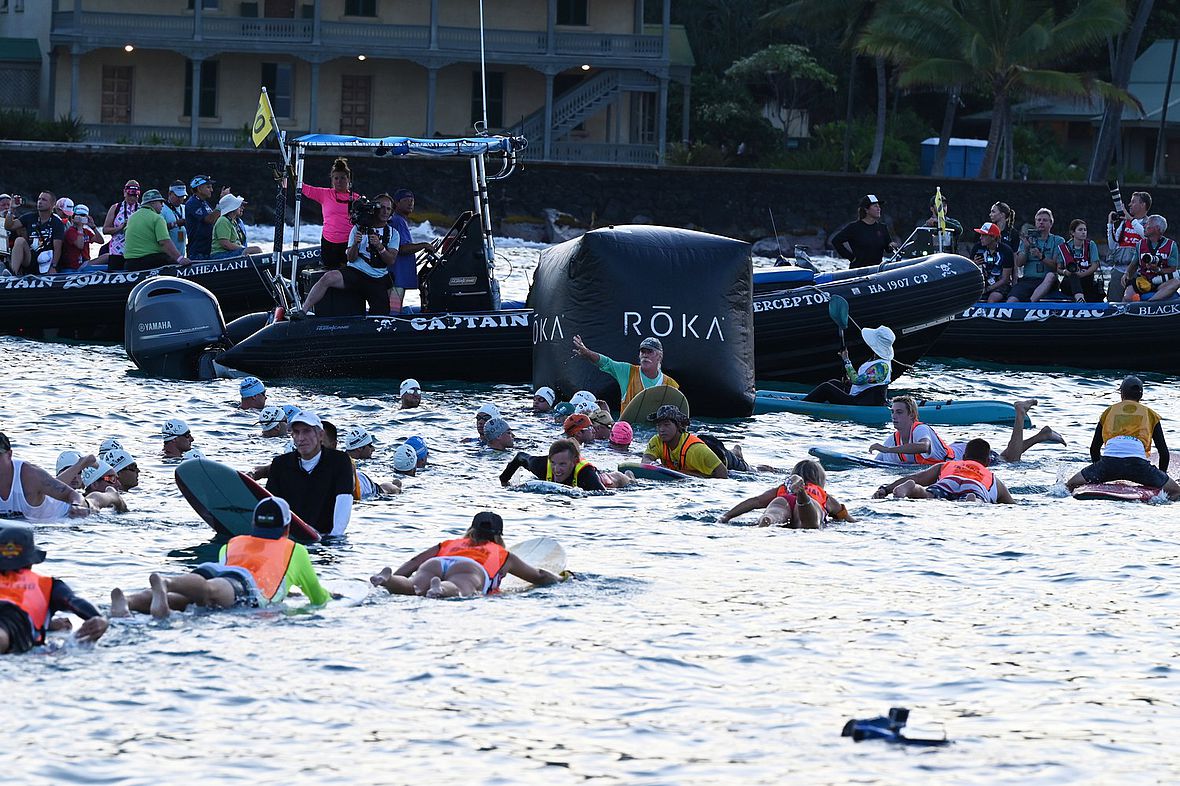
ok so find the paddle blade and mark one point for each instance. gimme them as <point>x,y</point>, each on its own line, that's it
<point>838,311</point>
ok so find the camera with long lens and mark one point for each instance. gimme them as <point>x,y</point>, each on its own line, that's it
<point>1116,196</point>
<point>364,213</point>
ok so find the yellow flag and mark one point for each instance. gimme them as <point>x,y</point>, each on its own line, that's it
<point>264,120</point>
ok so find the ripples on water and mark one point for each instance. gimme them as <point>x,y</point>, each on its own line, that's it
<point>1041,636</point>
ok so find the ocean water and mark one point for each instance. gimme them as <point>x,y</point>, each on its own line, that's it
<point>1040,637</point>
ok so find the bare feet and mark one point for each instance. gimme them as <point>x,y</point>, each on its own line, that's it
<point>119,606</point>
<point>766,521</point>
<point>382,578</point>
<point>1024,405</point>
<point>159,608</point>
<point>436,589</point>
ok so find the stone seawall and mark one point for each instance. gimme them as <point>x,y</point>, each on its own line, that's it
<point>731,202</point>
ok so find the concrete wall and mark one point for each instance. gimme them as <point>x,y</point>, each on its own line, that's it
<point>729,202</point>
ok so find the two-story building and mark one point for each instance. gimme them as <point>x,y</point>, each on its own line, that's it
<point>583,80</point>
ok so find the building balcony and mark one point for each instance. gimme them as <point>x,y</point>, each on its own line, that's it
<point>96,30</point>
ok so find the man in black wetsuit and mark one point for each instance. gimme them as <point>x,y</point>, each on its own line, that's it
<point>565,465</point>
<point>864,241</point>
<point>316,481</point>
<point>29,600</point>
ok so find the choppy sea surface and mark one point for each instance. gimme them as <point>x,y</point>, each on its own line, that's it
<point>1041,637</point>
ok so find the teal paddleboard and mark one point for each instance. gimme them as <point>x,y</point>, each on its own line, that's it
<point>936,413</point>
<point>651,471</point>
<point>225,498</point>
<point>835,459</point>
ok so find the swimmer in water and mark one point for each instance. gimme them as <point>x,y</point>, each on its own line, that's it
<point>965,480</point>
<point>801,502</point>
<point>565,465</point>
<point>471,565</point>
<point>178,440</point>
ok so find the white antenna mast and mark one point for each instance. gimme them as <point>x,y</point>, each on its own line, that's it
<point>483,72</point>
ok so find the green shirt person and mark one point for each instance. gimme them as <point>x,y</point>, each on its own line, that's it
<point>632,379</point>
<point>147,243</point>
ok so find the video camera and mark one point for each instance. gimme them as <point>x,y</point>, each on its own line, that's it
<point>364,213</point>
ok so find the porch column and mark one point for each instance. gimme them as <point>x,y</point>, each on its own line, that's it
<point>662,118</point>
<point>551,27</point>
<point>198,21</point>
<point>685,112</point>
<point>548,114</point>
<point>431,89</point>
<point>75,56</point>
<point>667,31</point>
<point>638,24</point>
<point>434,24</point>
<point>313,109</point>
<point>194,109</point>
<point>315,22</point>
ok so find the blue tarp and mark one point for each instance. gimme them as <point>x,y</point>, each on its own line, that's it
<point>408,146</point>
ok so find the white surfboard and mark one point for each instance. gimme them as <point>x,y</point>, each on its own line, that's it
<point>543,552</point>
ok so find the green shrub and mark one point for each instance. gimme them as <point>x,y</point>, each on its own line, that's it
<point>25,125</point>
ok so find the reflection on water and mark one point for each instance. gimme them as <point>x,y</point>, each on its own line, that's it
<point>1042,636</point>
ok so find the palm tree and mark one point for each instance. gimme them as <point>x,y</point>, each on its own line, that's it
<point>1112,115</point>
<point>1005,48</point>
<point>851,16</point>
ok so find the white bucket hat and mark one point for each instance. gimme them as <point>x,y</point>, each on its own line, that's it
<point>228,203</point>
<point>880,340</point>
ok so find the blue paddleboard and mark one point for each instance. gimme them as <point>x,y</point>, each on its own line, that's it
<point>936,413</point>
<point>651,471</point>
<point>834,459</point>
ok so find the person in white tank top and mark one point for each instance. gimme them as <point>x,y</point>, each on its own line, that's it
<point>29,491</point>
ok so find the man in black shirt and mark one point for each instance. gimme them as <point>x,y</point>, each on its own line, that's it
<point>995,258</point>
<point>864,241</point>
<point>316,481</point>
<point>38,249</point>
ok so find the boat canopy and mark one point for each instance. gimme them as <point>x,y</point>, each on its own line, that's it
<point>409,146</point>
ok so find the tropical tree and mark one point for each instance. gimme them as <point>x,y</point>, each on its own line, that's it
<point>851,16</point>
<point>791,74</point>
<point>1002,48</point>
<point>1123,58</point>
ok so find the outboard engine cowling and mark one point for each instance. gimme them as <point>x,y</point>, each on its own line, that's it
<point>170,324</point>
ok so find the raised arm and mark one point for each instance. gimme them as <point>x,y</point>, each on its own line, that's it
<point>584,351</point>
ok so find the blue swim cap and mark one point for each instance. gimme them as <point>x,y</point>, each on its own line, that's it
<point>290,411</point>
<point>419,446</point>
<point>252,386</point>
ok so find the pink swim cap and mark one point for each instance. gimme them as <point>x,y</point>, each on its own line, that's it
<point>621,433</point>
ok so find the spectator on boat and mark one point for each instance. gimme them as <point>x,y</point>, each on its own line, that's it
<point>6,211</point>
<point>178,439</point>
<point>334,203</point>
<point>252,392</point>
<point>80,234</point>
<point>369,254</point>
<point>1124,233</point>
<point>1155,275</point>
<point>679,450</point>
<point>1036,260</point>
<point>405,269</point>
<point>1003,216</point>
<point>967,479</point>
<point>173,213</point>
<point>147,244</point>
<point>29,491</point>
<point>1122,442</point>
<point>200,216</point>
<point>38,246</point>
<point>498,434</point>
<point>115,224</point>
<point>995,259</point>
<point>315,480</point>
<point>544,399</point>
<point>954,230</point>
<point>864,242</point>
<point>867,386</point>
<point>410,394</point>
<point>801,502</point>
<point>1077,264</point>
<point>229,238</point>
<point>564,464</point>
<point>64,209</point>
<point>632,379</point>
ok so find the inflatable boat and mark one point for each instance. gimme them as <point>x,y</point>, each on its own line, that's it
<point>1081,335</point>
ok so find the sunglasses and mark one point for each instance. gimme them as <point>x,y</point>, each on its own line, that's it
<point>131,190</point>
<point>131,468</point>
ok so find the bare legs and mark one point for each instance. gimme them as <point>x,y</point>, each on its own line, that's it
<point>333,279</point>
<point>435,579</point>
<point>173,594</point>
<point>805,514</point>
<point>1017,444</point>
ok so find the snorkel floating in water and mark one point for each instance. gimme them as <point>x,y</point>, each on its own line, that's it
<point>888,728</point>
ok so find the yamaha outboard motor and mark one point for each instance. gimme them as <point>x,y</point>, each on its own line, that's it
<point>173,328</point>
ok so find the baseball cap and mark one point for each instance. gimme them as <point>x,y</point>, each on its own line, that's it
<point>668,412</point>
<point>989,228</point>
<point>200,180</point>
<point>409,386</point>
<point>118,459</point>
<point>651,343</point>
<point>401,194</point>
<point>65,460</point>
<point>309,418</point>
<point>489,410</point>
<point>419,446</point>
<point>151,195</point>
<point>18,549</point>
<point>547,394</point>
<point>65,205</point>
<point>572,425</point>
<point>621,433</point>
<point>487,524</point>
<point>869,199</point>
<point>251,386</point>
<point>493,429</point>
<point>81,211</point>
<point>269,417</point>
<point>174,428</point>
<point>358,437</point>
<point>405,459</point>
<point>1131,383</point>
<point>272,516</point>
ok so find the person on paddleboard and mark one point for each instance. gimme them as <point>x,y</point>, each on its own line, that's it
<point>967,480</point>
<point>676,449</point>
<point>632,378</point>
<point>800,502</point>
<point>564,464</point>
<point>29,600</point>
<point>867,386</point>
<point>471,565</point>
<point>1122,442</point>
<point>251,570</point>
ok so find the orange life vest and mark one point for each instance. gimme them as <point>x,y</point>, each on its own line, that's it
<point>267,559</point>
<point>921,458</point>
<point>689,441</point>
<point>635,386</point>
<point>356,480</point>
<point>29,592</point>
<point>968,470</point>
<point>489,554</point>
<point>818,494</point>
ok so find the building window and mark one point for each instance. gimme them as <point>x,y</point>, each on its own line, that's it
<point>574,13</point>
<point>208,97</point>
<point>116,95</point>
<point>360,7</point>
<point>495,99</point>
<point>276,78</point>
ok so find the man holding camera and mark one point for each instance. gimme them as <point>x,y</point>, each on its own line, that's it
<point>1156,271</point>
<point>995,258</point>
<point>41,234</point>
<point>372,249</point>
<point>1124,233</point>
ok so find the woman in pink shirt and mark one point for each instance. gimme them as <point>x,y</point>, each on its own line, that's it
<point>334,203</point>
